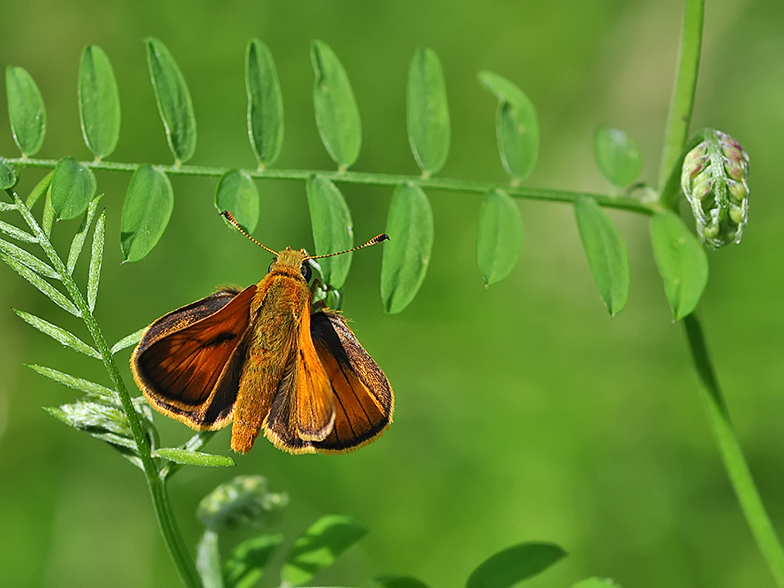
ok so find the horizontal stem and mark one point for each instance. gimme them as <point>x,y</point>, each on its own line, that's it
<point>373,179</point>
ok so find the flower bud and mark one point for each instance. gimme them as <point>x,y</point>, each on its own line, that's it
<point>713,178</point>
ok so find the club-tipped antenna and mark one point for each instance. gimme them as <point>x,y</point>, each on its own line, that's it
<point>229,217</point>
<point>373,241</point>
<point>377,239</point>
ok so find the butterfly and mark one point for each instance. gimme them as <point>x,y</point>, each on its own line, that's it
<point>267,359</point>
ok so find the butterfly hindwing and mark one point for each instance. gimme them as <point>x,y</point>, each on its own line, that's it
<point>189,362</point>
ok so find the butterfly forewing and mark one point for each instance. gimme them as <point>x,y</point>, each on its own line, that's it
<point>188,358</point>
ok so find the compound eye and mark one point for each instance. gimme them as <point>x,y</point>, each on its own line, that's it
<point>307,272</point>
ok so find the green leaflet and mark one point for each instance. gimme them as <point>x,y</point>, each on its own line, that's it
<point>77,243</point>
<point>607,255</point>
<point>99,102</point>
<point>332,229</point>
<point>245,564</point>
<point>96,260</point>
<point>42,285</point>
<point>319,546</point>
<point>337,115</point>
<point>73,382</point>
<point>174,100</point>
<point>499,236</point>
<point>407,255</point>
<point>146,211</point>
<point>28,259</point>
<point>265,103</point>
<point>128,340</point>
<point>517,125</point>
<point>73,187</point>
<point>8,175</point>
<point>617,156</point>
<point>194,458</point>
<point>58,334</point>
<point>428,112</point>
<point>237,193</point>
<point>682,262</point>
<point>514,564</point>
<point>25,110</point>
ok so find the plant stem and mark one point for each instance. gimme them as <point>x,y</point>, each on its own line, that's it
<point>169,529</point>
<point>371,179</point>
<point>732,455</point>
<point>682,102</point>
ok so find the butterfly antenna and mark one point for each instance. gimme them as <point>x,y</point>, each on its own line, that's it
<point>229,217</point>
<point>373,241</point>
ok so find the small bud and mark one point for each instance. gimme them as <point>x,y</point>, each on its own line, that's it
<point>246,500</point>
<point>713,178</point>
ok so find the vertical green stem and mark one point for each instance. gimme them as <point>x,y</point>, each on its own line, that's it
<point>169,529</point>
<point>682,101</point>
<point>732,455</point>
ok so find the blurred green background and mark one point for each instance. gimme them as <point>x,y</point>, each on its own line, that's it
<point>524,413</point>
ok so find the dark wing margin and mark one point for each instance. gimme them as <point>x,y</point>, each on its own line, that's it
<point>189,362</point>
<point>363,397</point>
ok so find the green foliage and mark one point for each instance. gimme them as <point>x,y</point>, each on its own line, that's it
<point>428,112</point>
<point>319,546</point>
<point>517,126</point>
<point>8,175</point>
<point>99,102</point>
<point>265,103</point>
<point>499,236</point>
<point>617,156</point>
<point>682,262</point>
<point>73,187</point>
<point>330,219</point>
<point>407,255</point>
<point>238,194</point>
<point>25,109</point>
<point>606,252</point>
<point>337,114</point>
<point>146,212</point>
<point>174,100</point>
<point>514,564</point>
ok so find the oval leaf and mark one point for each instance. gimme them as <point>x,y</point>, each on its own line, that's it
<point>397,582</point>
<point>608,257</point>
<point>238,194</point>
<point>428,112</point>
<point>25,109</point>
<point>99,102</point>
<point>515,564</point>
<point>146,212</point>
<point>337,115</point>
<point>682,262</point>
<point>617,156</point>
<point>73,187</point>
<point>407,255</point>
<point>517,125</point>
<point>195,458</point>
<point>174,100</point>
<point>8,175</point>
<point>265,103</point>
<point>332,229</point>
<point>319,546</point>
<point>245,564</point>
<point>499,236</point>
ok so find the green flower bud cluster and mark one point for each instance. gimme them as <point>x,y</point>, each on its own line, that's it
<point>243,501</point>
<point>713,178</point>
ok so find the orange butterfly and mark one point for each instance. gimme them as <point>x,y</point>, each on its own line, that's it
<point>266,359</point>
